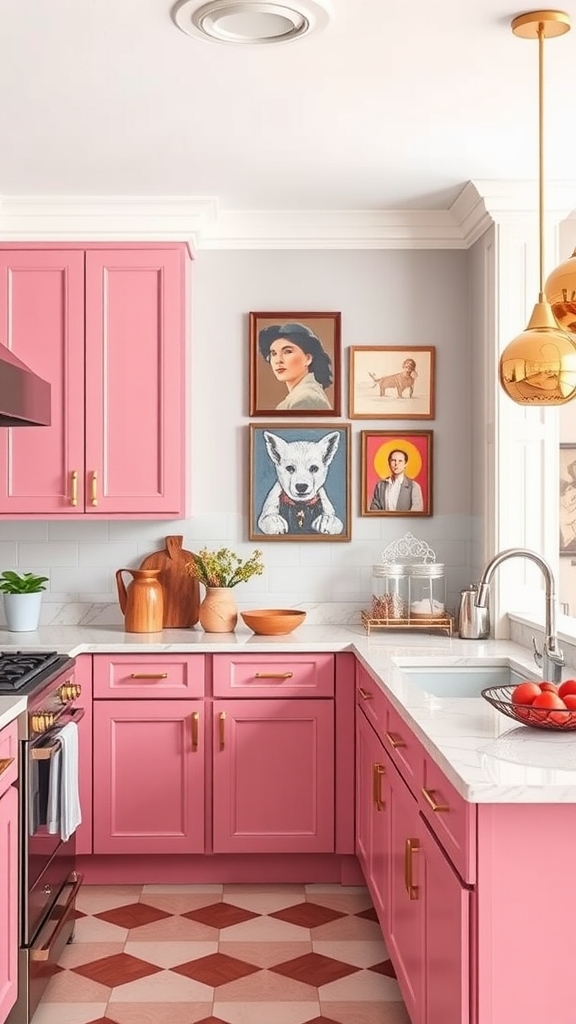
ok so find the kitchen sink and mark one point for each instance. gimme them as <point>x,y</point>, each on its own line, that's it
<point>462,680</point>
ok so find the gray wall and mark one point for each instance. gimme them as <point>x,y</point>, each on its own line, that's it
<point>386,298</point>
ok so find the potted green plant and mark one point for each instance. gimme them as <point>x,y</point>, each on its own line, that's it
<point>22,595</point>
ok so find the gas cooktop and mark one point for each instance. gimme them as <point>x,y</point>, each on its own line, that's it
<point>23,671</point>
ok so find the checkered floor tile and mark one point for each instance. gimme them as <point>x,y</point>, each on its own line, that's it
<point>224,954</point>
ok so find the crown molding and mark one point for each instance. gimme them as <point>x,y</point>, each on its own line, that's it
<point>198,220</point>
<point>485,202</point>
<point>106,218</point>
<point>333,229</point>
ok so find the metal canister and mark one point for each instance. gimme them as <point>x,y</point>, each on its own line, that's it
<point>473,622</point>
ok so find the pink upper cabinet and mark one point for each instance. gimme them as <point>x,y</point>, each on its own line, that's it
<point>106,328</point>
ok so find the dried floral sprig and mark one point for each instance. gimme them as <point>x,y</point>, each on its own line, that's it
<point>224,568</point>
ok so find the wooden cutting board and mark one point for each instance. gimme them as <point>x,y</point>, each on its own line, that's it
<point>181,592</point>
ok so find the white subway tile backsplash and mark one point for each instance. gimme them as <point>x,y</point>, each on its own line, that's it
<point>22,530</point>
<point>115,555</point>
<point>78,529</point>
<point>59,553</point>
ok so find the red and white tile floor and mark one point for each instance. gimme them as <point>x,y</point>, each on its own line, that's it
<point>224,954</point>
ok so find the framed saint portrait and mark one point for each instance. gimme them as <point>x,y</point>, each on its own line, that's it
<point>300,482</point>
<point>567,498</point>
<point>295,364</point>
<point>396,473</point>
<point>391,383</point>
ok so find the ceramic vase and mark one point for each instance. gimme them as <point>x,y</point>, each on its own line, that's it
<point>218,612</point>
<point>22,612</point>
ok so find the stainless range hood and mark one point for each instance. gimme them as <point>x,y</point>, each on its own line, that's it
<point>24,396</point>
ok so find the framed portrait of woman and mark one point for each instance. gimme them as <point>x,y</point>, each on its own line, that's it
<point>396,473</point>
<point>300,481</point>
<point>295,364</point>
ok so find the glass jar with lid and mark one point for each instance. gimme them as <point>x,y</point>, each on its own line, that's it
<point>390,591</point>
<point>427,591</point>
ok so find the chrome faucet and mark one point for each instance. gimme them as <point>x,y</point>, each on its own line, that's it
<point>551,658</point>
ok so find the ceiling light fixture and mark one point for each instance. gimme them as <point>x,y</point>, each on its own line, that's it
<point>539,366</point>
<point>251,21</point>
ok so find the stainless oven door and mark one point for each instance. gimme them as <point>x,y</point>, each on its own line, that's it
<point>46,861</point>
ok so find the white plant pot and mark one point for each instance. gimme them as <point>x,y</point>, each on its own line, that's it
<point>22,612</point>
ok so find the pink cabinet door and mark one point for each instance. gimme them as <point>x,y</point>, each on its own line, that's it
<point>42,322</point>
<point>372,816</point>
<point>447,935</point>
<point>273,775</point>
<point>148,776</point>
<point>134,381</point>
<point>405,938</point>
<point>8,901</point>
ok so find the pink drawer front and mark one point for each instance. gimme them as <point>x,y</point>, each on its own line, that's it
<point>125,676</point>
<point>273,675</point>
<point>404,749</point>
<point>450,817</point>
<point>370,697</point>
<point>8,756</point>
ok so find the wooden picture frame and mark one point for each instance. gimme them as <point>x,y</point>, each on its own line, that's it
<point>413,466</point>
<point>295,364</point>
<point>300,482</point>
<point>392,382</point>
<point>567,499</point>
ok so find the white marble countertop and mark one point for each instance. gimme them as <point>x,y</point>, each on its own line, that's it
<point>485,755</point>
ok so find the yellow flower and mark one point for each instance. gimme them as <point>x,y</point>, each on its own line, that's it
<point>224,568</point>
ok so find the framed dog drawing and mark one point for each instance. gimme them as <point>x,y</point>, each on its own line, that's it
<point>295,364</point>
<point>391,383</point>
<point>396,473</point>
<point>300,482</point>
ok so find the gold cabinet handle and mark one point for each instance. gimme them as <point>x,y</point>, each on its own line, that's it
<point>412,846</point>
<point>5,763</point>
<point>74,488</point>
<point>378,770</point>
<point>364,694</point>
<point>394,740</point>
<point>273,675</point>
<point>195,721</point>
<point>148,675</point>
<point>429,796</point>
<point>94,489</point>
<point>222,727</point>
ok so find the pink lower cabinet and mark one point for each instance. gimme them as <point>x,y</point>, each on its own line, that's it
<point>273,776</point>
<point>149,776</point>
<point>8,870</point>
<point>372,815</point>
<point>429,919</point>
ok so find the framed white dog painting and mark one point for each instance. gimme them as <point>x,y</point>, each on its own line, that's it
<point>391,383</point>
<point>300,482</point>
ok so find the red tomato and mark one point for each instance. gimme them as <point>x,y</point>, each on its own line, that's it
<point>550,687</point>
<point>570,702</point>
<point>551,708</point>
<point>568,687</point>
<point>526,693</point>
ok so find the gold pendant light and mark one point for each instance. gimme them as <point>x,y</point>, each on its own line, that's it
<point>560,288</point>
<point>539,366</point>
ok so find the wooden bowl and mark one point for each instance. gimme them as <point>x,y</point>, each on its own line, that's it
<point>273,621</point>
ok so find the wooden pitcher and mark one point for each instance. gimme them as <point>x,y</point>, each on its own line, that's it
<point>142,602</point>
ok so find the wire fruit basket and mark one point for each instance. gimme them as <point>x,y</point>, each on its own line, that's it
<point>558,719</point>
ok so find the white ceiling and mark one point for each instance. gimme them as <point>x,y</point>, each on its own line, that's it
<point>394,106</point>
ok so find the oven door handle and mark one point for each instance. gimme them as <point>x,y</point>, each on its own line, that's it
<point>39,753</point>
<point>42,952</point>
